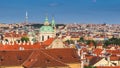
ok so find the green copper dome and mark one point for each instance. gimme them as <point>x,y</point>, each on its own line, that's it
<point>46,29</point>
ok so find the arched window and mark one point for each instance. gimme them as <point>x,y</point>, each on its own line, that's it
<point>42,38</point>
<point>48,37</point>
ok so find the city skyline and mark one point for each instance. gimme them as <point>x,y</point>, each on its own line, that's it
<point>64,11</point>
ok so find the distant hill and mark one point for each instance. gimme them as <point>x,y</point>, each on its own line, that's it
<point>39,25</point>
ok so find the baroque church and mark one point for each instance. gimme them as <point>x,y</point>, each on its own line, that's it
<point>48,30</point>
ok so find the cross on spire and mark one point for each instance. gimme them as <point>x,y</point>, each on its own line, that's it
<point>46,21</point>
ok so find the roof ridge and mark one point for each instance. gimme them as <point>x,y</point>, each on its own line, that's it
<point>53,58</point>
<point>29,58</point>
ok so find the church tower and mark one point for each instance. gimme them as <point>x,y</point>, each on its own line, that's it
<point>53,25</point>
<point>46,31</point>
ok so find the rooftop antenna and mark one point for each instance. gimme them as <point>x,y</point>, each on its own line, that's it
<point>26,18</point>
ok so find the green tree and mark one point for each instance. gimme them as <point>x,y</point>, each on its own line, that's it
<point>88,42</point>
<point>89,67</point>
<point>70,41</point>
<point>112,41</point>
<point>26,39</point>
<point>81,39</point>
<point>6,40</point>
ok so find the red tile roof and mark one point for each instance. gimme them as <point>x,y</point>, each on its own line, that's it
<point>13,58</point>
<point>99,44</point>
<point>48,42</point>
<point>39,58</point>
<point>108,67</point>
<point>97,51</point>
<point>89,57</point>
<point>91,44</point>
<point>114,52</point>
<point>13,34</point>
<point>114,58</point>
<point>17,46</point>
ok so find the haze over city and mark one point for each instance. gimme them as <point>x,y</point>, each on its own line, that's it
<point>59,34</point>
<point>64,11</point>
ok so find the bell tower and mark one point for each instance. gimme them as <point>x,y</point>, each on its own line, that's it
<point>53,25</point>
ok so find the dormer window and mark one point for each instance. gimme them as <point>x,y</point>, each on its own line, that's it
<point>60,57</point>
<point>30,60</point>
<point>47,61</point>
<point>1,59</point>
<point>19,58</point>
<point>48,37</point>
<point>33,59</point>
<point>74,57</point>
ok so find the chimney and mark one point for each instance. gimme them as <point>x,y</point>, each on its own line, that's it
<point>3,42</point>
<point>13,43</point>
<point>82,60</point>
<point>108,59</point>
<point>24,42</point>
<point>16,42</point>
<point>28,43</point>
<point>9,42</point>
<point>17,31</point>
<point>79,52</point>
<point>31,42</point>
<point>75,42</point>
<point>21,48</point>
<point>19,43</point>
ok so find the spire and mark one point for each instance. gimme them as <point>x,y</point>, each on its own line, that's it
<point>26,17</point>
<point>46,21</point>
<point>53,22</point>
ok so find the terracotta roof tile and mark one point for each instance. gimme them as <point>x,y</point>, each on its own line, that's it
<point>114,58</point>
<point>108,67</point>
<point>97,51</point>
<point>52,57</point>
<point>17,46</point>
<point>13,58</point>
<point>48,42</point>
<point>99,44</point>
<point>39,58</point>
<point>114,52</point>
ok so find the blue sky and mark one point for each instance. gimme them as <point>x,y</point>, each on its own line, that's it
<point>64,11</point>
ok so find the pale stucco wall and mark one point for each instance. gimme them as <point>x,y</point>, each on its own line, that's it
<point>74,65</point>
<point>51,35</point>
<point>102,62</point>
<point>12,67</point>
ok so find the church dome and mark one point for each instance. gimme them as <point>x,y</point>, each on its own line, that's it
<point>46,29</point>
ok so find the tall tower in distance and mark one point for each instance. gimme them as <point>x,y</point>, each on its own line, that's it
<point>26,18</point>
